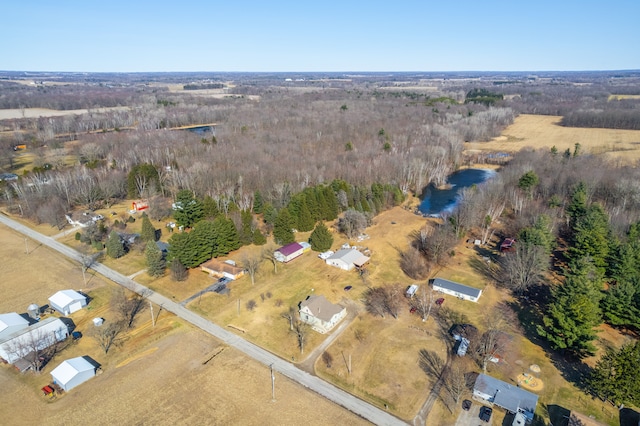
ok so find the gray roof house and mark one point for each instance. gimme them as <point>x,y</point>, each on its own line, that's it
<point>510,397</point>
<point>458,290</point>
<point>347,259</point>
<point>321,314</point>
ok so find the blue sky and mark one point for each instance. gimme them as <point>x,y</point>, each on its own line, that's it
<point>255,36</point>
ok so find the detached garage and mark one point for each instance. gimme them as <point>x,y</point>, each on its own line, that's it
<point>67,301</point>
<point>73,372</point>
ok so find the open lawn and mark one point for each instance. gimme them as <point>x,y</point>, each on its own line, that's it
<point>543,131</point>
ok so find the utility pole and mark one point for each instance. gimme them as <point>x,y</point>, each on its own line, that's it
<point>273,384</point>
<point>238,307</point>
<point>26,247</point>
<point>153,320</point>
<point>349,363</point>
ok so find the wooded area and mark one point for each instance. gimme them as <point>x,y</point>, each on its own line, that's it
<point>276,156</point>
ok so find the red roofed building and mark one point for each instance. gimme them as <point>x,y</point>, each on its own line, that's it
<point>288,252</point>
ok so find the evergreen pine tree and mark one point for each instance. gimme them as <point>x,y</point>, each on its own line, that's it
<point>210,208</point>
<point>305,220</point>
<point>258,203</point>
<point>188,210</point>
<point>115,248</point>
<point>155,261</point>
<point>282,228</point>
<point>179,248</point>
<point>321,239</point>
<point>574,311</point>
<point>246,233</point>
<point>226,237</point>
<point>148,232</point>
<point>615,376</point>
<point>258,238</point>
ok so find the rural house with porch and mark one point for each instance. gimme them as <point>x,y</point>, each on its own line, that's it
<point>321,314</point>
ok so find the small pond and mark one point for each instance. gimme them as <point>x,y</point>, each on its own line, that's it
<point>437,201</point>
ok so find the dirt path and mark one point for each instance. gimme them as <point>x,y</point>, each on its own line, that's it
<point>309,362</point>
<point>423,414</point>
<point>325,389</point>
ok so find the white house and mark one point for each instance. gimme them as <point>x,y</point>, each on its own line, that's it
<point>10,323</point>
<point>73,372</point>
<point>347,259</point>
<point>321,314</point>
<point>455,289</point>
<point>36,337</point>
<point>289,252</point>
<point>510,397</point>
<point>67,301</point>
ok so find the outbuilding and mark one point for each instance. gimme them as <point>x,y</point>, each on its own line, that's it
<point>67,301</point>
<point>458,290</point>
<point>34,338</point>
<point>73,372</point>
<point>11,322</point>
<point>347,259</point>
<point>289,252</point>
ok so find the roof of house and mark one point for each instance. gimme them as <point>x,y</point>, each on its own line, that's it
<point>320,307</point>
<point>290,249</point>
<point>350,255</point>
<point>507,396</point>
<point>218,266</point>
<point>12,319</point>
<point>457,287</point>
<point>66,297</point>
<point>69,368</point>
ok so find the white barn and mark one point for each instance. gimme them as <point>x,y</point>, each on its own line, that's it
<point>73,372</point>
<point>321,314</point>
<point>38,336</point>
<point>347,259</point>
<point>67,301</point>
<point>10,323</point>
<point>458,290</point>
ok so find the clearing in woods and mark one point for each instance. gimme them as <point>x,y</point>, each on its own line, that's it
<point>544,131</point>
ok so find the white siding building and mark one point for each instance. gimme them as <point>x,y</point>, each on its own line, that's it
<point>321,314</point>
<point>67,301</point>
<point>73,372</point>
<point>38,336</point>
<point>455,289</point>
<point>347,259</point>
<point>10,323</point>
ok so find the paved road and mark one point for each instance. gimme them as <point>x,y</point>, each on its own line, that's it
<point>327,390</point>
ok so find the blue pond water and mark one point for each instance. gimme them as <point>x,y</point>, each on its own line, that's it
<point>437,201</point>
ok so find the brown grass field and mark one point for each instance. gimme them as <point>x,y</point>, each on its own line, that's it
<point>542,131</point>
<point>157,375</point>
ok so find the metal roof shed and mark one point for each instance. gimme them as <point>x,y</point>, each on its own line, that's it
<point>67,301</point>
<point>73,372</point>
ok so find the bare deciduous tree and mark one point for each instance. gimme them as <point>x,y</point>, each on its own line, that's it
<point>252,264</point>
<point>127,307</point>
<point>423,301</point>
<point>108,334</point>
<point>290,315</point>
<point>523,268</point>
<point>301,331</point>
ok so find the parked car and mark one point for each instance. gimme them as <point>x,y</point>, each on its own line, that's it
<point>347,288</point>
<point>440,301</point>
<point>485,414</point>
<point>466,405</point>
<point>224,280</point>
<point>413,310</point>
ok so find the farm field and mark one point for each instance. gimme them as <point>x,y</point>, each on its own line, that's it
<point>543,131</point>
<point>9,114</point>
<point>167,374</point>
